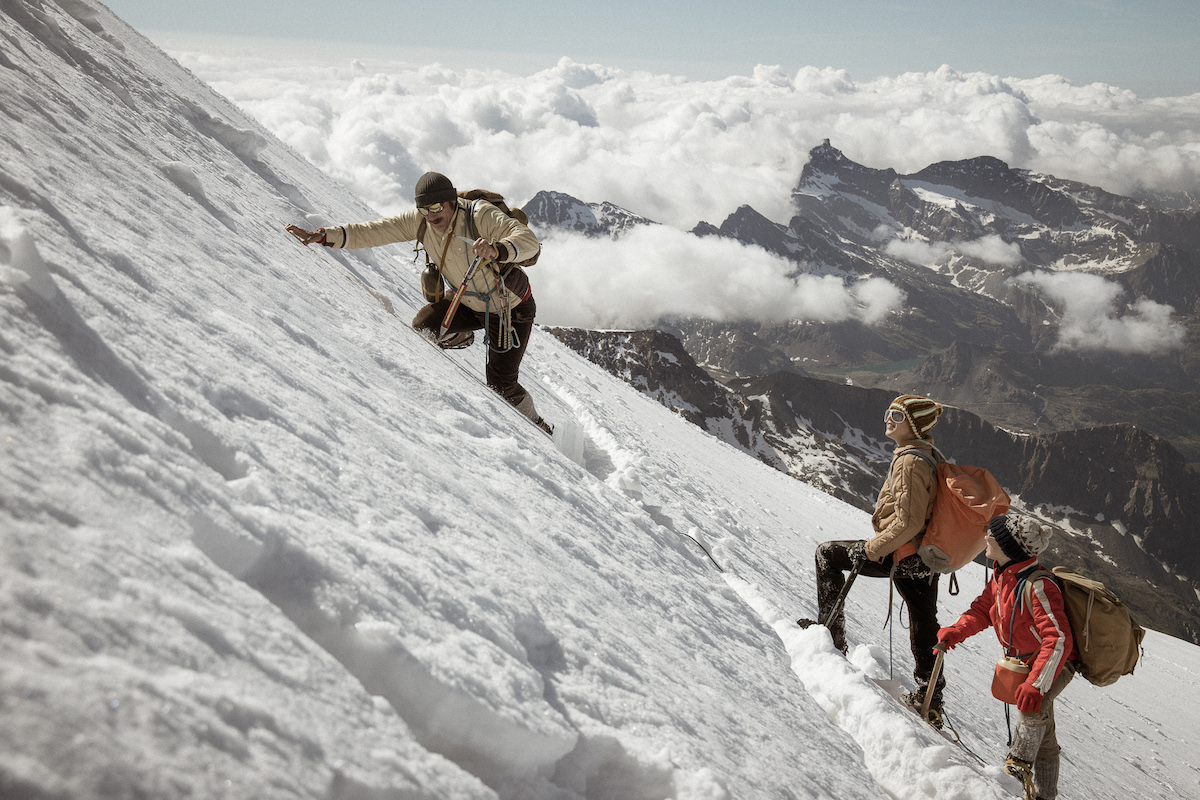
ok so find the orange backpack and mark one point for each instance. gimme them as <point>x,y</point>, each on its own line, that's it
<point>967,498</point>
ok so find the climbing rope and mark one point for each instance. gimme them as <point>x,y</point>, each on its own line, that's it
<point>958,739</point>
<point>702,547</point>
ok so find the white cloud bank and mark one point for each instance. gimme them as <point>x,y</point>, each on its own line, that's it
<point>988,249</point>
<point>1092,318</point>
<point>656,271</point>
<point>680,151</point>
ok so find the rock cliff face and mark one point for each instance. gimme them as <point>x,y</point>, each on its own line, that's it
<point>1123,501</point>
<point>657,365</point>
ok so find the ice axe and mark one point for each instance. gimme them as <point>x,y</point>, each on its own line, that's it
<point>458,295</point>
<point>841,598</point>
<point>933,676</point>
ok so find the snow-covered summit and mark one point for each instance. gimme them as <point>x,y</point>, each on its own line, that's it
<point>556,210</point>
<point>260,540</point>
<point>1039,219</point>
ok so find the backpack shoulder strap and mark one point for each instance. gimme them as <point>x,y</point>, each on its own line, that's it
<point>1025,582</point>
<point>472,231</point>
<point>419,245</point>
<point>919,453</point>
<point>1024,592</point>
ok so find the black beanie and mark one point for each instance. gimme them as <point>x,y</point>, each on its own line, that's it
<point>1019,538</point>
<point>434,187</point>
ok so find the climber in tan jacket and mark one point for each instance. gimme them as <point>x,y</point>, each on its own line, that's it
<point>455,232</point>
<point>902,512</point>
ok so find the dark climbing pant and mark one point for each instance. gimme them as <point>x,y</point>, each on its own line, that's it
<point>915,582</point>
<point>503,368</point>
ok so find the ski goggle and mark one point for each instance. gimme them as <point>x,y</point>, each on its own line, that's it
<point>894,415</point>
<point>431,209</point>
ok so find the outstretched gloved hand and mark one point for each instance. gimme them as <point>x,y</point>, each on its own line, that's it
<point>857,551</point>
<point>1029,699</point>
<point>308,237</point>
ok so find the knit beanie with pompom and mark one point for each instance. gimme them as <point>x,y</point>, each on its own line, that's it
<point>1019,538</point>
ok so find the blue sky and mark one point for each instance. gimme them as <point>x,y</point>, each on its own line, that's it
<point>1147,47</point>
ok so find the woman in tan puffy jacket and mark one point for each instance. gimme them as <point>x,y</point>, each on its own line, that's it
<point>901,513</point>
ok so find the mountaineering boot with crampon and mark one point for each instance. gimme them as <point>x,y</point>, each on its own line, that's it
<point>529,410</point>
<point>916,701</point>
<point>1022,771</point>
<point>457,341</point>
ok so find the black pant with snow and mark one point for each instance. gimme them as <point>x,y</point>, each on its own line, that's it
<point>503,368</point>
<point>915,582</point>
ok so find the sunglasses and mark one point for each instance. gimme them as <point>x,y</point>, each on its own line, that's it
<point>433,209</point>
<point>894,415</point>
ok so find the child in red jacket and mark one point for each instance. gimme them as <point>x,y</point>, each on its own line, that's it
<point>1031,623</point>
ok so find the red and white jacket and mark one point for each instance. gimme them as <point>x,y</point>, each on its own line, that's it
<point>1041,634</point>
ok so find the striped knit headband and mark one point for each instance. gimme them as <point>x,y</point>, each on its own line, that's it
<point>921,412</point>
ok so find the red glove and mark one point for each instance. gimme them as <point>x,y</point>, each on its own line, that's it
<point>1029,699</point>
<point>951,637</point>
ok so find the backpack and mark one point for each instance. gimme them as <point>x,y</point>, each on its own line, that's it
<point>1108,638</point>
<point>967,499</point>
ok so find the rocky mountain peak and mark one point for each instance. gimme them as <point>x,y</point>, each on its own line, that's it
<point>982,168</point>
<point>825,157</point>
<point>989,178</point>
<point>828,168</point>
<point>750,227</point>
<point>557,210</point>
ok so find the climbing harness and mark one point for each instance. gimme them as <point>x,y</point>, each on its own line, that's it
<point>495,299</point>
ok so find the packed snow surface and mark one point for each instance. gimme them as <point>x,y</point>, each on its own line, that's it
<point>260,539</point>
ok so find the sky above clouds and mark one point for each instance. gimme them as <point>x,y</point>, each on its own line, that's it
<point>1145,47</point>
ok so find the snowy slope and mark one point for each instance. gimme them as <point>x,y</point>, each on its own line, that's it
<point>260,539</point>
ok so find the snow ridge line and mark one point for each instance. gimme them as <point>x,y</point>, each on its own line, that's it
<point>899,750</point>
<point>555,761</point>
<point>442,719</point>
